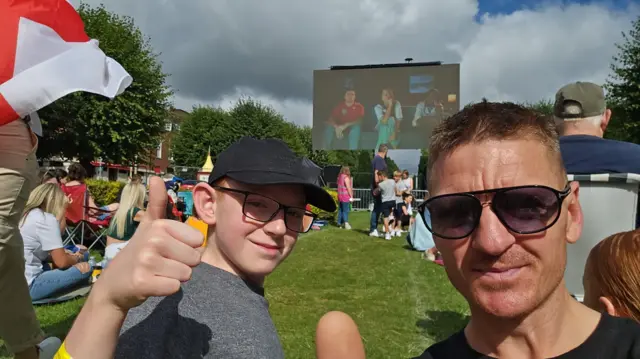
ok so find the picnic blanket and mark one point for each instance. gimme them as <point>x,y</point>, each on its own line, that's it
<point>63,297</point>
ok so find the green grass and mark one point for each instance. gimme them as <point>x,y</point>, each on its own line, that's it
<point>401,303</point>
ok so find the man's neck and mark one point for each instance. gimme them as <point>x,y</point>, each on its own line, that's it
<point>556,327</point>
<point>214,257</point>
<point>381,154</point>
<point>585,130</point>
<point>349,103</point>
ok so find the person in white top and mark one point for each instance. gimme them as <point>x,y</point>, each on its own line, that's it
<point>41,226</point>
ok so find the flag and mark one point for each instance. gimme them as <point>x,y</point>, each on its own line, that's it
<point>45,55</point>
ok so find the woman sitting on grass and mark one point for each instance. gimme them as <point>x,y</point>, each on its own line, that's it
<point>126,219</point>
<point>41,226</point>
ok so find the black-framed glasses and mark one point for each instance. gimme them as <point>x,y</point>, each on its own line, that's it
<point>521,209</point>
<point>264,209</point>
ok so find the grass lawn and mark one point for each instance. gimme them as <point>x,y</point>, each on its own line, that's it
<point>401,303</point>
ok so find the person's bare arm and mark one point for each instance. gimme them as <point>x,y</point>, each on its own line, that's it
<point>347,183</point>
<point>62,259</point>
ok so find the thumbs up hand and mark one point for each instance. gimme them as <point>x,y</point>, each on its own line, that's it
<point>160,255</point>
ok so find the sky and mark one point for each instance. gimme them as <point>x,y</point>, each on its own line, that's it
<point>509,50</point>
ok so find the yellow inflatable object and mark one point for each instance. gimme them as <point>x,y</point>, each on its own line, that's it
<point>199,225</point>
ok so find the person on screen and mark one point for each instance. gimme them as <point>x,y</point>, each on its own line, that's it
<point>389,115</point>
<point>346,117</point>
<point>430,108</point>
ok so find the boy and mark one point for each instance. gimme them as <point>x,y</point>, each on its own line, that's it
<point>404,217</point>
<point>387,188</point>
<point>211,306</point>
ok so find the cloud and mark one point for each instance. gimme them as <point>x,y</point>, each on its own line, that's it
<point>218,50</point>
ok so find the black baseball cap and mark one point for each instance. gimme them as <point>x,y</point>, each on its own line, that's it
<point>268,162</point>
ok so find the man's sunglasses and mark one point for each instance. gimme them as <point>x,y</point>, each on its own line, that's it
<point>264,209</point>
<point>521,209</point>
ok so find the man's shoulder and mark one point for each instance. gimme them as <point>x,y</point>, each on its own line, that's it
<point>586,141</point>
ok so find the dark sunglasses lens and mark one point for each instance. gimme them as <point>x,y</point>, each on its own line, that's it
<point>527,210</point>
<point>453,216</point>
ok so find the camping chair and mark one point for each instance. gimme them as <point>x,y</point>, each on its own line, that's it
<point>609,205</point>
<point>80,224</point>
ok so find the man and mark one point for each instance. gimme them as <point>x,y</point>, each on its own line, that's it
<point>207,304</point>
<point>19,327</point>
<point>377,164</point>
<point>581,113</point>
<point>346,117</point>
<point>502,215</point>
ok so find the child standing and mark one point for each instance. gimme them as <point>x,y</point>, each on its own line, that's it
<point>345,196</point>
<point>388,193</point>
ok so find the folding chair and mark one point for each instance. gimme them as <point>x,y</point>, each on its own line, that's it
<point>81,225</point>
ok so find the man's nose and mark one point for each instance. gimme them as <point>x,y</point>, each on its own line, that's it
<point>491,236</point>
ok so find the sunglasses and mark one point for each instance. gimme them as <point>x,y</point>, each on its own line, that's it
<point>521,209</point>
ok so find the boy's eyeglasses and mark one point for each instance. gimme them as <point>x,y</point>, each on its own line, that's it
<point>522,210</point>
<point>264,209</point>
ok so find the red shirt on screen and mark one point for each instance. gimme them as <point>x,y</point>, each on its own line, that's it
<point>342,113</point>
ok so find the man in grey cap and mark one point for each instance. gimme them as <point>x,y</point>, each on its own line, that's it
<point>581,113</point>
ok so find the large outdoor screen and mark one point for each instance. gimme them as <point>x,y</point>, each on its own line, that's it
<point>361,108</point>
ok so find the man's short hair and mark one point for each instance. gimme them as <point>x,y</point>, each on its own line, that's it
<point>405,195</point>
<point>383,148</point>
<point>579,100</point>
<point>493,121</point>
<point>383,174</point>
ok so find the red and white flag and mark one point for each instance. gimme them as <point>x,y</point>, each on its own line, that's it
<point>45,54</point>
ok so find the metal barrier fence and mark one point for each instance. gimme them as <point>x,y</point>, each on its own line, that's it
<point>363,199</point>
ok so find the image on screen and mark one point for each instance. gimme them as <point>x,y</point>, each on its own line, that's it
<point>362,108</point>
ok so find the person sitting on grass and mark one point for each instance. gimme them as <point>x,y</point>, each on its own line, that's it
<point>41,226</point>
<point>170,299</point>
<point>387,188</point>
<point>126,219</point>
<point>404,218</point>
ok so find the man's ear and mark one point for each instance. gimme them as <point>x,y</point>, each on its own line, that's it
<point>575,218</point>
<point>606,117</point>
<point>205,202</point>
<point>608,306</point>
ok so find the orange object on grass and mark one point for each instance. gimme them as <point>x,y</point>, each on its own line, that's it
<point>199,225</point>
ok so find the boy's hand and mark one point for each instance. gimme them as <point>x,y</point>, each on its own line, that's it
<point>158,258</point>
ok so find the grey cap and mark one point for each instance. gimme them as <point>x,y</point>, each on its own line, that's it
<point>588,96</point>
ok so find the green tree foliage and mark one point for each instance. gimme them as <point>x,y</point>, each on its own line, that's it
<point>215,129</point>
<point>88,126</point>
<point>544,106</point>
<point>623,88</point>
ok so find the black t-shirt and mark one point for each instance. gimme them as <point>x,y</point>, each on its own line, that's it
<point>614,338</point>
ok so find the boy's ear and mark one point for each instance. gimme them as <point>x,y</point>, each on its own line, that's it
<point>205,202</point>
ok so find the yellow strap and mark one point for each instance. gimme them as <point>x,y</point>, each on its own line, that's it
<point>62,353</point>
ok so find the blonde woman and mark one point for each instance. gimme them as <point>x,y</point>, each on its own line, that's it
<point>126,219</point>
<point>41,226</point>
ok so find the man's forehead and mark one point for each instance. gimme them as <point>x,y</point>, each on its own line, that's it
<point>493,164</point>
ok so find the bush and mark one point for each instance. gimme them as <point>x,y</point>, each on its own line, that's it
<point>104,192</point>
<point>329,216</point>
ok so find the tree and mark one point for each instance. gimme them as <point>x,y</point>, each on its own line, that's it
<point>544,106</point>
<point>207,127</point>
<point>623,88</point>
<point>87,126</point>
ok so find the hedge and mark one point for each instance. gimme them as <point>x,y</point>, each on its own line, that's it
<point>329,216</point>
<point>104,192</point>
